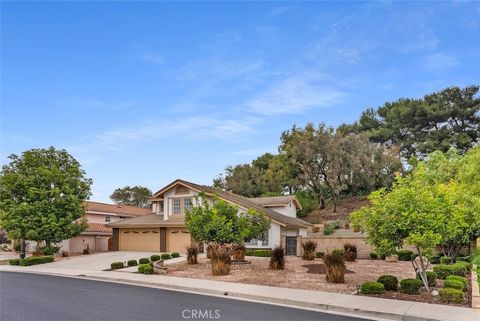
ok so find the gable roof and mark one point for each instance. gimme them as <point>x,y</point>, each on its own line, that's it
<point>241,201</point>
<point>272,201</point>
<point>123,210</point>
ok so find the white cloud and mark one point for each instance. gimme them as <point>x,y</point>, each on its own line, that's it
<point>439,61</point>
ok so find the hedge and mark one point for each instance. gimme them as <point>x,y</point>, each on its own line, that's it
<point>249,252</point>
<point>166,256</point>
<point>467,265</point>
<point>445,260</point>
<point>390,282</point>
<point>431,278</point>
<point>404,255</point>
<point>372,288</point>
<point>141,267</point>
<point>117,265</point>
<point>373,256</point>
<point>262,253</point>
<point>451,295</point>
<point>132,263</point>
<point>14,261</point>
<point>144,260</point>
<point>457,278</point>
<point>154,257</point>
<point>148,270</point>
<point>410,286</point>
<point>444,270</point>
<point>175,254</point>
<point>453,284</point>
<point>33,260</point>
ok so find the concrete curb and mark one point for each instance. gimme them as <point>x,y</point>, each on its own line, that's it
<point>360,306</point>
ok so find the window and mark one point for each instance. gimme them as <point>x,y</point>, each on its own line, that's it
<point>265,239</point>
<point>187,204</point>
<point>176,206</point>
<point>107,219</point>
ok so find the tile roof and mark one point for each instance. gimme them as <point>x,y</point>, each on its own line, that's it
<point>151,220</point>
<point>124,210</point>
<point>98,228</point>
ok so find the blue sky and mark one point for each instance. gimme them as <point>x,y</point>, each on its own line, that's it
<point>142,93</point>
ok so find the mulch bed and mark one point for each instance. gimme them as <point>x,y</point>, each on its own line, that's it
<point>320,269</point>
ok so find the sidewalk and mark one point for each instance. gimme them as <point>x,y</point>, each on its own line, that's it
<point>358,305</point>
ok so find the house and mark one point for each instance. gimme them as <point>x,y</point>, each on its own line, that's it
<point>97,237</point>
<point>164,230</point>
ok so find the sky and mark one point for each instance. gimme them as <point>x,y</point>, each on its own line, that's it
<point>142,93</point>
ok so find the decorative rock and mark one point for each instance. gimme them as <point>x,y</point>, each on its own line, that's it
<point>435,293</point>
<point>392,258</point>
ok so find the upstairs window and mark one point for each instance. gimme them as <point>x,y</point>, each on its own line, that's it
<point>187,204</point>
<point>107,219</point>
<point>176,206</point>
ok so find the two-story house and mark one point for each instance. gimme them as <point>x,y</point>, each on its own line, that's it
<point>164,230</point>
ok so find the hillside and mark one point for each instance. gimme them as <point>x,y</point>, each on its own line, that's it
<point>344,208</point>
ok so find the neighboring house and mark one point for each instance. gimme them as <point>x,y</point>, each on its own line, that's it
<point>97,236</point>
<point>165,231</point>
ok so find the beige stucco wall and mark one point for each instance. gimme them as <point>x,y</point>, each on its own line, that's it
<point>79,243</point>
<point>288,210</point>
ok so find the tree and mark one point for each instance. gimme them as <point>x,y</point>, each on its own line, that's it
<point>135,196</point>
<point>42,196</point>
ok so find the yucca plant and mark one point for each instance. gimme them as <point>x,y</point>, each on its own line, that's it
<point>309,250</point>
<point>239,251</point>
<point>192,252</point>
<point>209,251</point>
<point>350,252</point>
<point>335,265</point>
<point>277,258</point>
<point>220,259</point>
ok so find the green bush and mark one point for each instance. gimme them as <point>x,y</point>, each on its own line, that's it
<point>144,260</point>
<point>431,278</point>
<point>445,260</point>
<point>166,256</point>
<point>329,229</point>
<point>372,288</point>
<point>463,258</point>
<point>132,263</point>
<point>373,256</point>
<point>142,267</point>
<point>319,255</point>
<point>148,270</point>
<point>390,282</point>
<point>467,265</point>
<point>175,254</point>
<point>49,249</point>
<point>14,261</point>
<point>450,295</point>
<point>410,286</point>
<point>435,259</point>
<point>444,270</point>
<point>34,260</point>
<point>262,253</point>
<point>154,257</point>
<point>116,265</point>
<point>457,278</point>
<point>249,252</point>
<point>404,255</point>
<point>453,284</point>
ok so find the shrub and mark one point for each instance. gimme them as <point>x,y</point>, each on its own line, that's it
<point>435,259</point>
<point>154,258</point>
<point>320,255</point>
<point>166,256</point>
<point>309,250</point>
<point>444,270</point>
<point>373,256</point>
<point>431,278</point>
<point>277,258</point>
<point>144,260</point>
<point>410,286</point>
<point>49,249</point>
<point>445,260</point>
<point>336,224</point>
<point>249,252</point>
<point>454,284</point>
<point>262,253</point>
<point>141,267</point>
<point>64,253</point>
<point>148,270</point>
<point>209,251</point>
<point>116,265</point>
<point>239,252</point>
<point>449,295</point>
<point>457,278</point>
<point>404,255</point>
<point>192,253</point>
<point>389,282</point>
<point>463,258</point>
<point>335,265</point>
<point>14,261</point>
<point>34,260</point>
<point>350,252</point>
<point>132,263</point>
<point>372,288</point>
<point>328,229</point>
<point>466,265</point>
<point>175,254</point>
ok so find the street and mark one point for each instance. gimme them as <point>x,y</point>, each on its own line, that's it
<point>26,296</point>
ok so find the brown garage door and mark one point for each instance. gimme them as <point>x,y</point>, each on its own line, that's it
<point>177,239</point>
<point>147,240</point>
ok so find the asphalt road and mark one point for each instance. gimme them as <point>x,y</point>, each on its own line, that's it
<point>40,297</point>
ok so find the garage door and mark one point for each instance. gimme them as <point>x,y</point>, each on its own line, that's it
<point>146,240</point>
<point>178,239</point>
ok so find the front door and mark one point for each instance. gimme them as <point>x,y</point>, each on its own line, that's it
<point>291,245</point>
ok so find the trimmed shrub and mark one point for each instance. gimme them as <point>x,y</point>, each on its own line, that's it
<point>319,255</point>
<point>144,260</point>
<point>192,252</point>
<point>444,270</point>
<point>14,261</point>
<point>154,257</point>
<point>410,286</point>
<point>329,229</point>
<point>453,284</point>
<point>262,253</point>
<point>372,288</point>
<point>457,278</point>
<point>141,267</point>
<point>277,258</point>
<point>117,265</point>
<point>309,250</point>
<point>239,251</point>
<point>335,265</point>
<point>49,249</point>
<point>389,282</point>
<point>148,270</point>
<point>350,252</point>
<point>463,258</point>
<point>373,256</point>
<point>431,278</point>
<point>435,259</point>
<point>34,260</point>
<point>132,263</point>
<point>467,265</point>
<point>404,255</point>
<point>175,254</point>
<point>166,256</point>
<point>445,260</point>
<point>450,295</point>
<point>249,252</point>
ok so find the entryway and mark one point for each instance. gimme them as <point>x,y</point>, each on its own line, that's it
<point>291,248</point>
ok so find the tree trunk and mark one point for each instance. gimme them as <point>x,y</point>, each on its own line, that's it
<point>48,242</point>
<point>220,260</point>
<point>334,199</point>
<point>422,270</point>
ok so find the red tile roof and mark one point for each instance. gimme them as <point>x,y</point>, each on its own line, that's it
<point>98,228</point>
<point>124,210</point>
